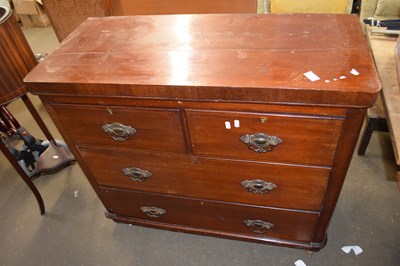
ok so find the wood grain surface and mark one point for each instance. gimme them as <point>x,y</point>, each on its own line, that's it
<point>200,56</point>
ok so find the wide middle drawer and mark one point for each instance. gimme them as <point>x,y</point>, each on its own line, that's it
<point>128,127</point>
<point>214,179</point>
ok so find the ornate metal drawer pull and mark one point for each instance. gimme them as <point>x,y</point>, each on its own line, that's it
<point>258,226</point>
<point>153,211</point>
<point>118,131</point>
<point>258,186</point>
<point>260,142</point>
<point>137,174</point>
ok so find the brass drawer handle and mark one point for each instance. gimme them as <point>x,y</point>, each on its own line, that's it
<point>118,131</point>
<point>260,142</point>
<point>258,226</point>
<point>137,174</point>
<point>258,186</point>
<point>153,211</point>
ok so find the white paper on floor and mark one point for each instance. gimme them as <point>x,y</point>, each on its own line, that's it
<point>300,263</point>
<point>357,250</point>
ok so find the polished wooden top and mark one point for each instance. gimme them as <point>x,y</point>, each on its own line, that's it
<point>235,57</point>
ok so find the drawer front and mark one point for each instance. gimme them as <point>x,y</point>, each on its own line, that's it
<point>137,128</point>
<point>232,181</point>
<point>283,138</point>
<point>214,216</point>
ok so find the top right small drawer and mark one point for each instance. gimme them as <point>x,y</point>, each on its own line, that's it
<point>285,138</point>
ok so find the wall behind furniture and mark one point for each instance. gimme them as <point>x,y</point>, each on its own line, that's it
<point>66,15</point>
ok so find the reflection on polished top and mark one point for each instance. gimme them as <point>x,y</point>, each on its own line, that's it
<point>264,57</point>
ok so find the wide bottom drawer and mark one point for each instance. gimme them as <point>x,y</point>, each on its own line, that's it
<point>219,218</point>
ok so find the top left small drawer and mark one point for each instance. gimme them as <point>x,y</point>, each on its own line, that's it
<point>123,127</point>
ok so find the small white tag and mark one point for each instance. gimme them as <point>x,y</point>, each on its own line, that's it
<point>228,125</point>
<point>311,76</point>
<point>342,77</point>
<point>236,123</point>
<point>354,72</point>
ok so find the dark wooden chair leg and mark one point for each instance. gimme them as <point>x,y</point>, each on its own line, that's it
<point>366,136</point>
<point>373,124</point>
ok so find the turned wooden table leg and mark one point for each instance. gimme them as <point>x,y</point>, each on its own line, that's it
<point>24,176</point>
<point>28,103</point>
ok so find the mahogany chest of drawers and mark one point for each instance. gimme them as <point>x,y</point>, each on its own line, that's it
<point>207,124</point>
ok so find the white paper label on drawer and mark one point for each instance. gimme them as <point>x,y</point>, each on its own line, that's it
<point>228,125</point>
<point>236,123</point>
